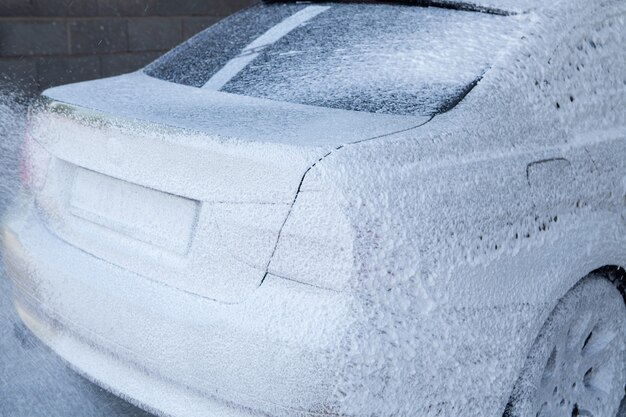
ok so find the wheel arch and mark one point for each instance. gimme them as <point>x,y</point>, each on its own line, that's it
<point>616,274</point>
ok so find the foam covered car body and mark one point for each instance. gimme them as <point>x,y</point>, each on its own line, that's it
<point>290,214</point>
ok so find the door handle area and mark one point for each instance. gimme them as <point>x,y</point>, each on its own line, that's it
<point>549,173</point>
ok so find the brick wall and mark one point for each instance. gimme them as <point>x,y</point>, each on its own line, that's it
<point>51,42</point>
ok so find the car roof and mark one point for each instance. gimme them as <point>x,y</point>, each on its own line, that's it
<point>503,7</point>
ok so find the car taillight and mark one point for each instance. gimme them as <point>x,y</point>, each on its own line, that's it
<point>33,164</point>
<point>316,243</point>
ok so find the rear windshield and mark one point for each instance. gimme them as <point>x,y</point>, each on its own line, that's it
<point>379,58</point>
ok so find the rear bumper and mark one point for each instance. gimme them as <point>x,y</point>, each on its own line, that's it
<point>174,352</point>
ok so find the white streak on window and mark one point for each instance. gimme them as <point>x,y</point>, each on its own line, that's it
<point>253,50</point>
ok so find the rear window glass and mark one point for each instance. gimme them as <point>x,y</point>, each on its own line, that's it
<point>380,58</point>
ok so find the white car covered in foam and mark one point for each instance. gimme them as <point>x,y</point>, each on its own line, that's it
<point>342,209</point>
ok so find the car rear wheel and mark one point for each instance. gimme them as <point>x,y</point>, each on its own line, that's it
<point>577,366</point>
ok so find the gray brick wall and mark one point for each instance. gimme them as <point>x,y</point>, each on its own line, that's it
<point>45,43</point>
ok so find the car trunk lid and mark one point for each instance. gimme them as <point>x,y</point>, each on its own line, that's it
<point>194,202</point>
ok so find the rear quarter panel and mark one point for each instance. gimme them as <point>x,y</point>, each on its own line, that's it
<point>469,229</point>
